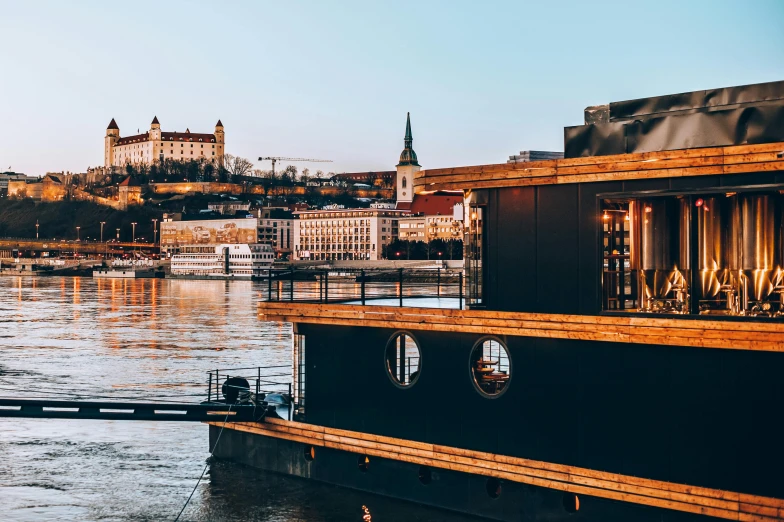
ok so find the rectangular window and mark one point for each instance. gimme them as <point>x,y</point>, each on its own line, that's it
<point>716,253</point>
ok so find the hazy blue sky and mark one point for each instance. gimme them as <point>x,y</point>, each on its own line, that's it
<point>334,80</point>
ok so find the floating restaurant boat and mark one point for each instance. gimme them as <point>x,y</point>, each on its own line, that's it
<point>228,261</point>
<point>620,353</point>
<point>126,269</point>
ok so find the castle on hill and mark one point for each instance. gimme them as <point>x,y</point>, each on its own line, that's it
<point>158,145</point>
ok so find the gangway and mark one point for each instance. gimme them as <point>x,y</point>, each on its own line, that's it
<point>149,411</point>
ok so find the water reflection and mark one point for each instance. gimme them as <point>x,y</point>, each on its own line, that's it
<point>144,339</point>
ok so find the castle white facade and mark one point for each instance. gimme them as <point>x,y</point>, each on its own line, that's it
<point>156,145</point>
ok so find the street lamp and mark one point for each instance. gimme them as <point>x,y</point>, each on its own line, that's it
<point>77,233</point>
<point>133,236</point>
<point>154,232</point>
<point>102,224</point>
<point>36,229</point>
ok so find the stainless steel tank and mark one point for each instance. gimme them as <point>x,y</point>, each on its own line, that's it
<point>717,239</point>
<point>661,252</point>
<point>760,244</point>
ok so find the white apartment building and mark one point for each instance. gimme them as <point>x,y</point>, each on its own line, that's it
<point>412,228</point>
<point>155,145</point>
<point>349,234</point>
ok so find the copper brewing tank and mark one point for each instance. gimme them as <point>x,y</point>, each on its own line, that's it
<point>760,246</point>
<point>717,242</point>
<point>660,245</point>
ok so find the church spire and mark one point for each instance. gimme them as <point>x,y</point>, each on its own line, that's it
<point>408,156</point>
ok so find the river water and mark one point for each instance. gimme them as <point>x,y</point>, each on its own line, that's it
<point>120,339</point>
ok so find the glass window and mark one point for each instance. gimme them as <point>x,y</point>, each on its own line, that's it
<point>490,366</point>
<point>403,360</point>
<point>720,252</point>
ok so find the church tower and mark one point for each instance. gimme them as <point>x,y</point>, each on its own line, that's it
<point>112,135</point>
<point>406,167</point>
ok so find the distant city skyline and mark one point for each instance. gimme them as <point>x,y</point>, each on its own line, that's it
<point>335,80</point>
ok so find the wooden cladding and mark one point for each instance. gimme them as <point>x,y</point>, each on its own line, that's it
<point>581,481</point>
<point>671,331</point>
<point>665,164</point>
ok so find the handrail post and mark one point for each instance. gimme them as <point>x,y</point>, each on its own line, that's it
<point>258,380</point>
<point>326,286</point>
<point>217,390</point>
<point>362,275</point>
<point>291,293</point>
<point>438,284</point>
<point>460,283</point>
<point>209,388</point>
<point>291,404</point>
<point>269,285</point>
<point>400,285</point>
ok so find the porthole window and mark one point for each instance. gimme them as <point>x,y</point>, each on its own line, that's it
<point>571,502</point>
<point>403,360</point>
<point>493,487</point>
<point>310,453</point>
<point>490,366</point>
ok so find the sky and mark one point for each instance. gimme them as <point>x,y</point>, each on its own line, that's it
<point>334,80</point>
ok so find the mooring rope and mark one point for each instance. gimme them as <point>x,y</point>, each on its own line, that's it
<point>205,465</point>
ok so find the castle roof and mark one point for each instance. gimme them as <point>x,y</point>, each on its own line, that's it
<point>112,125</point>
<point>155,121</point>
<point>169,136</point>
<point>219,124</point>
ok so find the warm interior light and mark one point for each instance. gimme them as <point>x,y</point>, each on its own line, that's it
<point>627,216</point>
<point>699,202</point>
<point>606,215</point>
<point>648,208</point>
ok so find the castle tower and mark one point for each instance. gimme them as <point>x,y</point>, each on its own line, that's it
<point>112,135</point>
<point>220,137</point>
<point>155,130</point>
<point>406,167</point>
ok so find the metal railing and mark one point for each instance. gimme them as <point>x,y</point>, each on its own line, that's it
<point>360,286</point>
<point>266,380</point>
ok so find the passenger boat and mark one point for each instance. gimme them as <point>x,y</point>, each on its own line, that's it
<point>620,354</point>
<point>127,269</point>
<point>227,261</point>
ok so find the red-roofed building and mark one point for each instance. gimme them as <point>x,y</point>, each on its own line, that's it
<point>155,145</point>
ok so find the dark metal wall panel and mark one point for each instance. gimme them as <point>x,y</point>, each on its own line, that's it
<point>687,415</point>
<point>515,214</point>
<point>557,255</point>
<point>594,140</point>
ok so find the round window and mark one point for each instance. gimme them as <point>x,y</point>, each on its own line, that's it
<point>402,359</point>
<point>491,367</point>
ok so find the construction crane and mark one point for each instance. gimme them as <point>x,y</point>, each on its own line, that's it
<point>276,159</point>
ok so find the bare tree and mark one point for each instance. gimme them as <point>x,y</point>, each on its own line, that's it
<point>237,166</point>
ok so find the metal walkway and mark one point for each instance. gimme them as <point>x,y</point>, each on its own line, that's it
<point>151,411</point>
